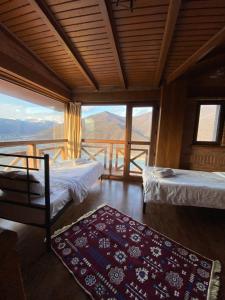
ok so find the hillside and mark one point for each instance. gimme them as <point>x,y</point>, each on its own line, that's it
<point>103,125</point>
<point>11,129</point>
<point>110,126</point>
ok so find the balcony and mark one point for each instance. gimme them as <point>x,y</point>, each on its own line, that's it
<point>55,148</point>
<point>111,153</point>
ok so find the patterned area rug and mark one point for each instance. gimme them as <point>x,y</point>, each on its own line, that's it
<point>112,256</point>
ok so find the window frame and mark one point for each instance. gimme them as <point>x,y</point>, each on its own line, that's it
<point>220,125</point>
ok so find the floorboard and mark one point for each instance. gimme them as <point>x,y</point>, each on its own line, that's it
<point>202,230</point>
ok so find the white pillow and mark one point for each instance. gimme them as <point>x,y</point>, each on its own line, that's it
<point>69,163</point>
<point>17,180</point>
<point>81,161</point>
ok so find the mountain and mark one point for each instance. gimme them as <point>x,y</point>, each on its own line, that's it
<point>109,126</point>
<point>11,129</point>
<point>104,125</point>
<point>141,127</point>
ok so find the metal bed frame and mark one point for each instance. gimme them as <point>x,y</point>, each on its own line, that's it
<point>48,221</point>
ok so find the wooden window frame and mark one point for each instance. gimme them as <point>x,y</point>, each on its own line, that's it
<point>219,127</point>
<point>128,128</point>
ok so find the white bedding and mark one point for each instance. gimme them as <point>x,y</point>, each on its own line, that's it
<point>191,188</point>
<point>67,182</point>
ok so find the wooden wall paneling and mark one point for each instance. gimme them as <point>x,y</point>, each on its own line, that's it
<point>43,51</point>
<point>108,18</point>
<point>201,157</point>
<point>140,35</point>
<point>212,43</point>
<point>210,159</point>
<point>19,65</point>
<point>208,76</point>
<point>170,131</point>
<point>196,26</point>
<point>88,30</point>
<point>97,44</point>
<point>188,132</point>
<point>172,15</point>
<point>54,26</point>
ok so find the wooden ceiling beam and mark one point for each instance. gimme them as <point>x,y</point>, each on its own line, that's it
<point>172,15</point>
<point>211,44</point>
<point>48,17</point>
<point>106,11</point>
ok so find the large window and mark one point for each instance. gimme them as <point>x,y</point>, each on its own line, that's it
<point>23,120</point>
<point>209,124</point>
<point>104,122</point>
<point>30,124</point>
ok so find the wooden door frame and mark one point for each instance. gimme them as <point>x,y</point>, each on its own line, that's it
<point>128,142</point>
<point>128,132</point>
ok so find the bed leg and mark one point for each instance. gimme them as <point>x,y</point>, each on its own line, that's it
<point>48,238</point>
<point>144,203</point>
<point>144,207</point>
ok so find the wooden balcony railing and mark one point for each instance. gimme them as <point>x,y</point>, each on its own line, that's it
<point>112,154</point>
<point>35,148</point>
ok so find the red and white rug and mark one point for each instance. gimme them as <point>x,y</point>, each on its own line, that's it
<point>112,256</point>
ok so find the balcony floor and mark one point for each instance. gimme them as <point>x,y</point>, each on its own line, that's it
<point>45,277</point>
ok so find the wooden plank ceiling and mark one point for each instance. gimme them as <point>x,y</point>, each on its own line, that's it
<point>94,44</point>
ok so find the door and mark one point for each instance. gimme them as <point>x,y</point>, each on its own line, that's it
<point>140,139</point>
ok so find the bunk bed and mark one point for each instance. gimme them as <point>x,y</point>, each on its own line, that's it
<point>39,196</point>
<point>184,187</point>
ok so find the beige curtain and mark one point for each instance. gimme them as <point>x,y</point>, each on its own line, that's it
<point>73,129</point>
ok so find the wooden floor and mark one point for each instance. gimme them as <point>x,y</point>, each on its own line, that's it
<point>202,230</point>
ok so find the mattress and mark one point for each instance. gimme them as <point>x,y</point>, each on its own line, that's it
<point>67,182</point>
<point>194,188</point>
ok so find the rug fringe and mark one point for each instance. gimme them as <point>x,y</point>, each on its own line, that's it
<point>59,231</point>
<point>214,283</point>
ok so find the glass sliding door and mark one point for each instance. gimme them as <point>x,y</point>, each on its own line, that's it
<point>103,136</point>
<point>140,122</point>
<point>119,136</point>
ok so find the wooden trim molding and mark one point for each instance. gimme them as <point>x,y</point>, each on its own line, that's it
<point>212,43</point>
<point>118,97</point>
<point>173,12</point>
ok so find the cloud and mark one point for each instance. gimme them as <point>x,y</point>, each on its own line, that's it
<point>87,108</point>
<point>91,110</point>
<point>17,109</point>
<point>141,110</point>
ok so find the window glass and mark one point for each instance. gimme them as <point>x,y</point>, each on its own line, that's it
<point>23,120</point>
<point>104,122</point>
<point>141,124</point>
<point>208,123</point>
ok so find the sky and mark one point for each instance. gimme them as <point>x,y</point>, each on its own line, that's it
<point>115,109</point>
<point>13,108</point>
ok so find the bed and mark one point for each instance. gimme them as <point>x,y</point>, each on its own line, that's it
<point>186,187</point>
<point>39,196</point>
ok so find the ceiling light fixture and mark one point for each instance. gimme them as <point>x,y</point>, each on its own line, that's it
<point>122,3</point>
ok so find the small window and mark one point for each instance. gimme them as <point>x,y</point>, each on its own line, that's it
<point>209,125</point>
